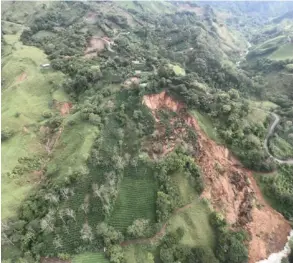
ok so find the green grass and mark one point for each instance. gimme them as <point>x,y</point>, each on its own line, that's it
<point>268,47</point>
<point>74,146</point>
<point>284,52</point>
<point>13,193</point>
<point>136,199</point>
<point>30,98</point>
<point>127,4</point>
<point>281,148</point>
<point>206,125</point>
<point>149,6</point>
<point>259,110</point>
<point>177,70</point>
<point>195,219</point>
<point>138,253</point>
<point>20,12</point>
<point>10,27</point>
<point>264,105</point>
<point>90,258</point>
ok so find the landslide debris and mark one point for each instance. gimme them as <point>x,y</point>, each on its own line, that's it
<point>232,189</point>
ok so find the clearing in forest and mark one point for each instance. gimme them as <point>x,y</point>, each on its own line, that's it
<point>283,53</point>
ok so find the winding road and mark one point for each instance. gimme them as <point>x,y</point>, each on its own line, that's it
<point>270,133</point>
<point>273,125</point>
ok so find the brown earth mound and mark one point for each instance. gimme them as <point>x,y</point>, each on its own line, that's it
<point>231,189</point>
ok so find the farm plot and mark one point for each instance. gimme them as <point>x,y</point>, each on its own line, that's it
<point>90,258</point>
<point>136,199</point>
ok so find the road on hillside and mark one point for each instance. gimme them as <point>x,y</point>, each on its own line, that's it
<point>273,125</point>
<point>270,133</point>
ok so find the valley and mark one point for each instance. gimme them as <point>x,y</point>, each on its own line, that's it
<point>146,131</point>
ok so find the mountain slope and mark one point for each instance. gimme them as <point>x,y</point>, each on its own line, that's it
<point>122,163</point>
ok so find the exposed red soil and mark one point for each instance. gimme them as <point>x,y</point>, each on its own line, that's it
<point>22,77</point>
<point>53,138</point>
<point>233,191</point>
<point>64,107</point>
<point>158,235</point>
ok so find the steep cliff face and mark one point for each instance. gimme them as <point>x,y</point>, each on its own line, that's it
<point>231,189</point>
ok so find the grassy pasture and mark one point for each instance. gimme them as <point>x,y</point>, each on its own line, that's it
<point>26,92</point>
<point>284,52</point>
<point>90,258</point>
<point>206,125</point>
<point>194,219</point>
<point>138,254</point>
<point>74,146</point>
<point>281,148</point>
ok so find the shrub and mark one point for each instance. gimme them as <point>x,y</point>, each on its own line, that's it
<point>47,114</point>
<point>6,134</point>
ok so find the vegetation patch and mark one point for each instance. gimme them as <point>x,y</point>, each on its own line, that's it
<point>280,148</point>
<point>283,53</point>
<point>136,199</point>
<point>278,189</point>
<point>194,219</point>
<point>90,258</point>
<point>207,126</point>
<point>22,112</point>
<point>177,70</point>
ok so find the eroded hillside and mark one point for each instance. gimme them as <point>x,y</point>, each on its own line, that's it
<point>231,189</point>
<point>133,133</point>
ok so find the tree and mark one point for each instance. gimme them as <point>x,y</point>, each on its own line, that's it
<point>47,223</point>
<point>166,255</point>
<point>115,253</point>
<point>164,206</point>
<point>57,242</point>
<point>86,233</point>
<point>6,133</point>
<point>139,228</point>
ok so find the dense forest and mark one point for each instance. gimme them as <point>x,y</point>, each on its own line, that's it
<point>121,181</point>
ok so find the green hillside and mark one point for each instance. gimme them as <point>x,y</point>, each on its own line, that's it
<point>122,120</point>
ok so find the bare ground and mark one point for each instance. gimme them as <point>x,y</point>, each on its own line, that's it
<point>95,45</point>
<point>234,191</point>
